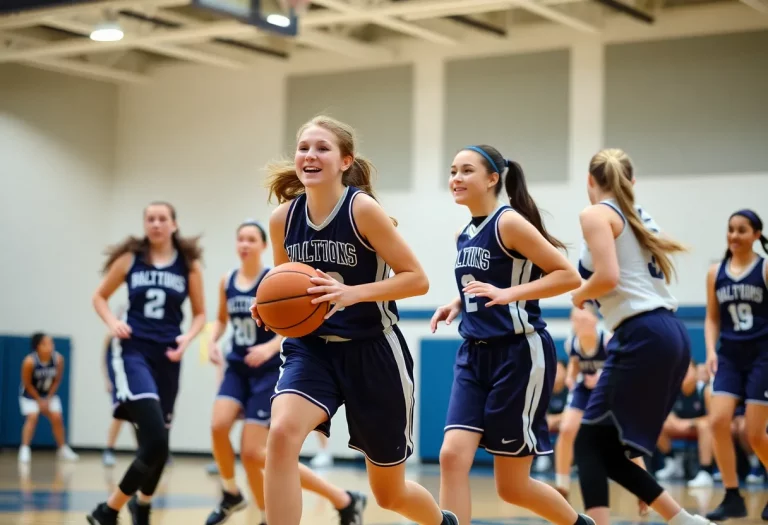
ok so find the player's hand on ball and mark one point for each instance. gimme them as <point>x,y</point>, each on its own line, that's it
<point>255,316</point>
<point>446,313</point>
<point>258,355</point>
<point>332,291</point>
<point>175,354</point>
<point>495,295</point>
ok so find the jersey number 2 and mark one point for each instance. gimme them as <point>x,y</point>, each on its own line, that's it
<point>154,308</point>
<point>741,315</point>
<point>469,298</point>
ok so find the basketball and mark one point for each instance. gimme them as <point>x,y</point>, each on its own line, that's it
<point>283,303</point>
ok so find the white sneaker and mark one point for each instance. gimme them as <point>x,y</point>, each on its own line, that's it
<point>108,459</point>
<point>321,460</point>
<point>673,468</point>
<point>699,520</point>
<point>67,453</point>
<point>25,454</point>
<point>702,479</point>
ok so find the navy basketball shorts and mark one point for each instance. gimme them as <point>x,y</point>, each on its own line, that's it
<point>742,370</point>
<point>648,357</point>
<point>501,389</point>
<point>579,397</point>
<point>251,388</point>
<point>373,378</point>
<point>139,369</point>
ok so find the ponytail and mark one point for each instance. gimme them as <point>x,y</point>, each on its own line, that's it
<point>523,203</point>
<point>612,170</point>
<point>757,224</point>
<point>283,182</point>
<point>514,183</point>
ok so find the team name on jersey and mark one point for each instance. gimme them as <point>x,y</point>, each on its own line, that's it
<point>474,257</point>
<point>45,373</point>
<point>740,292</point>
<point>239,304</point>
<point>322,250</point>
<point>158,278</point>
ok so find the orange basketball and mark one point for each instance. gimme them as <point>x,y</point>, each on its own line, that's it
<point>283,303</point>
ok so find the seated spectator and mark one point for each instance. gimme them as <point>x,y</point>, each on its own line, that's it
<point>554,414</point>
<point>688,420</point>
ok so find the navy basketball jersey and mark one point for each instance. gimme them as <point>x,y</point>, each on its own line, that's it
<point>588,365</point>
<point>743,302</point>
<point>245,332</point>
<point>156,295</point>
<point>482,257</point>
<point>337,248</point>
<point>43,375</point>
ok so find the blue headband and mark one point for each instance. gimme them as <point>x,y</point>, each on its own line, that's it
<point>482,152</point>
<point>253,222</point>
<point>752,216</point>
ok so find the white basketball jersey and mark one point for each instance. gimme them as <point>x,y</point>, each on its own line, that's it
<point>641,286</point>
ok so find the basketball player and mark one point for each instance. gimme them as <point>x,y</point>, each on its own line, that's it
<point>627,266</point>
<point>160,270</point>
<point>328,218</point>
<point>505,368</point>
<point>41,373</point>
<point>586,350</point>
<point>737,312</point>
<point>253,366</point>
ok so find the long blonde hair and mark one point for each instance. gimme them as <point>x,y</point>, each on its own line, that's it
<point>613,172</point>
<point>284,183</point>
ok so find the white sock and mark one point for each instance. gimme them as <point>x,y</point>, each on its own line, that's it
<point>143,498</point>
<point>681,518</point>
<point>230,485</point>
<point>562,481</point>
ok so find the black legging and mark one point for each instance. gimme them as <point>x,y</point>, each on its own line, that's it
<point>152,438</point>
<point>599,456</point>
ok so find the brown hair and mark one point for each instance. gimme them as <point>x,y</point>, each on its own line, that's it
<point>512,177</point>
<point>613,172</point>
<point>284,183</point>
<point>188,246</point>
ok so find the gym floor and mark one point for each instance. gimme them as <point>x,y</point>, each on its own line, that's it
<point>48,492</point>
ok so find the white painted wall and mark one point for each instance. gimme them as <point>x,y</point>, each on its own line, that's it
<point>56,161</point>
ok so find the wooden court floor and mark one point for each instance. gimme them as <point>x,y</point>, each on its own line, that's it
<point>49,492</point>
